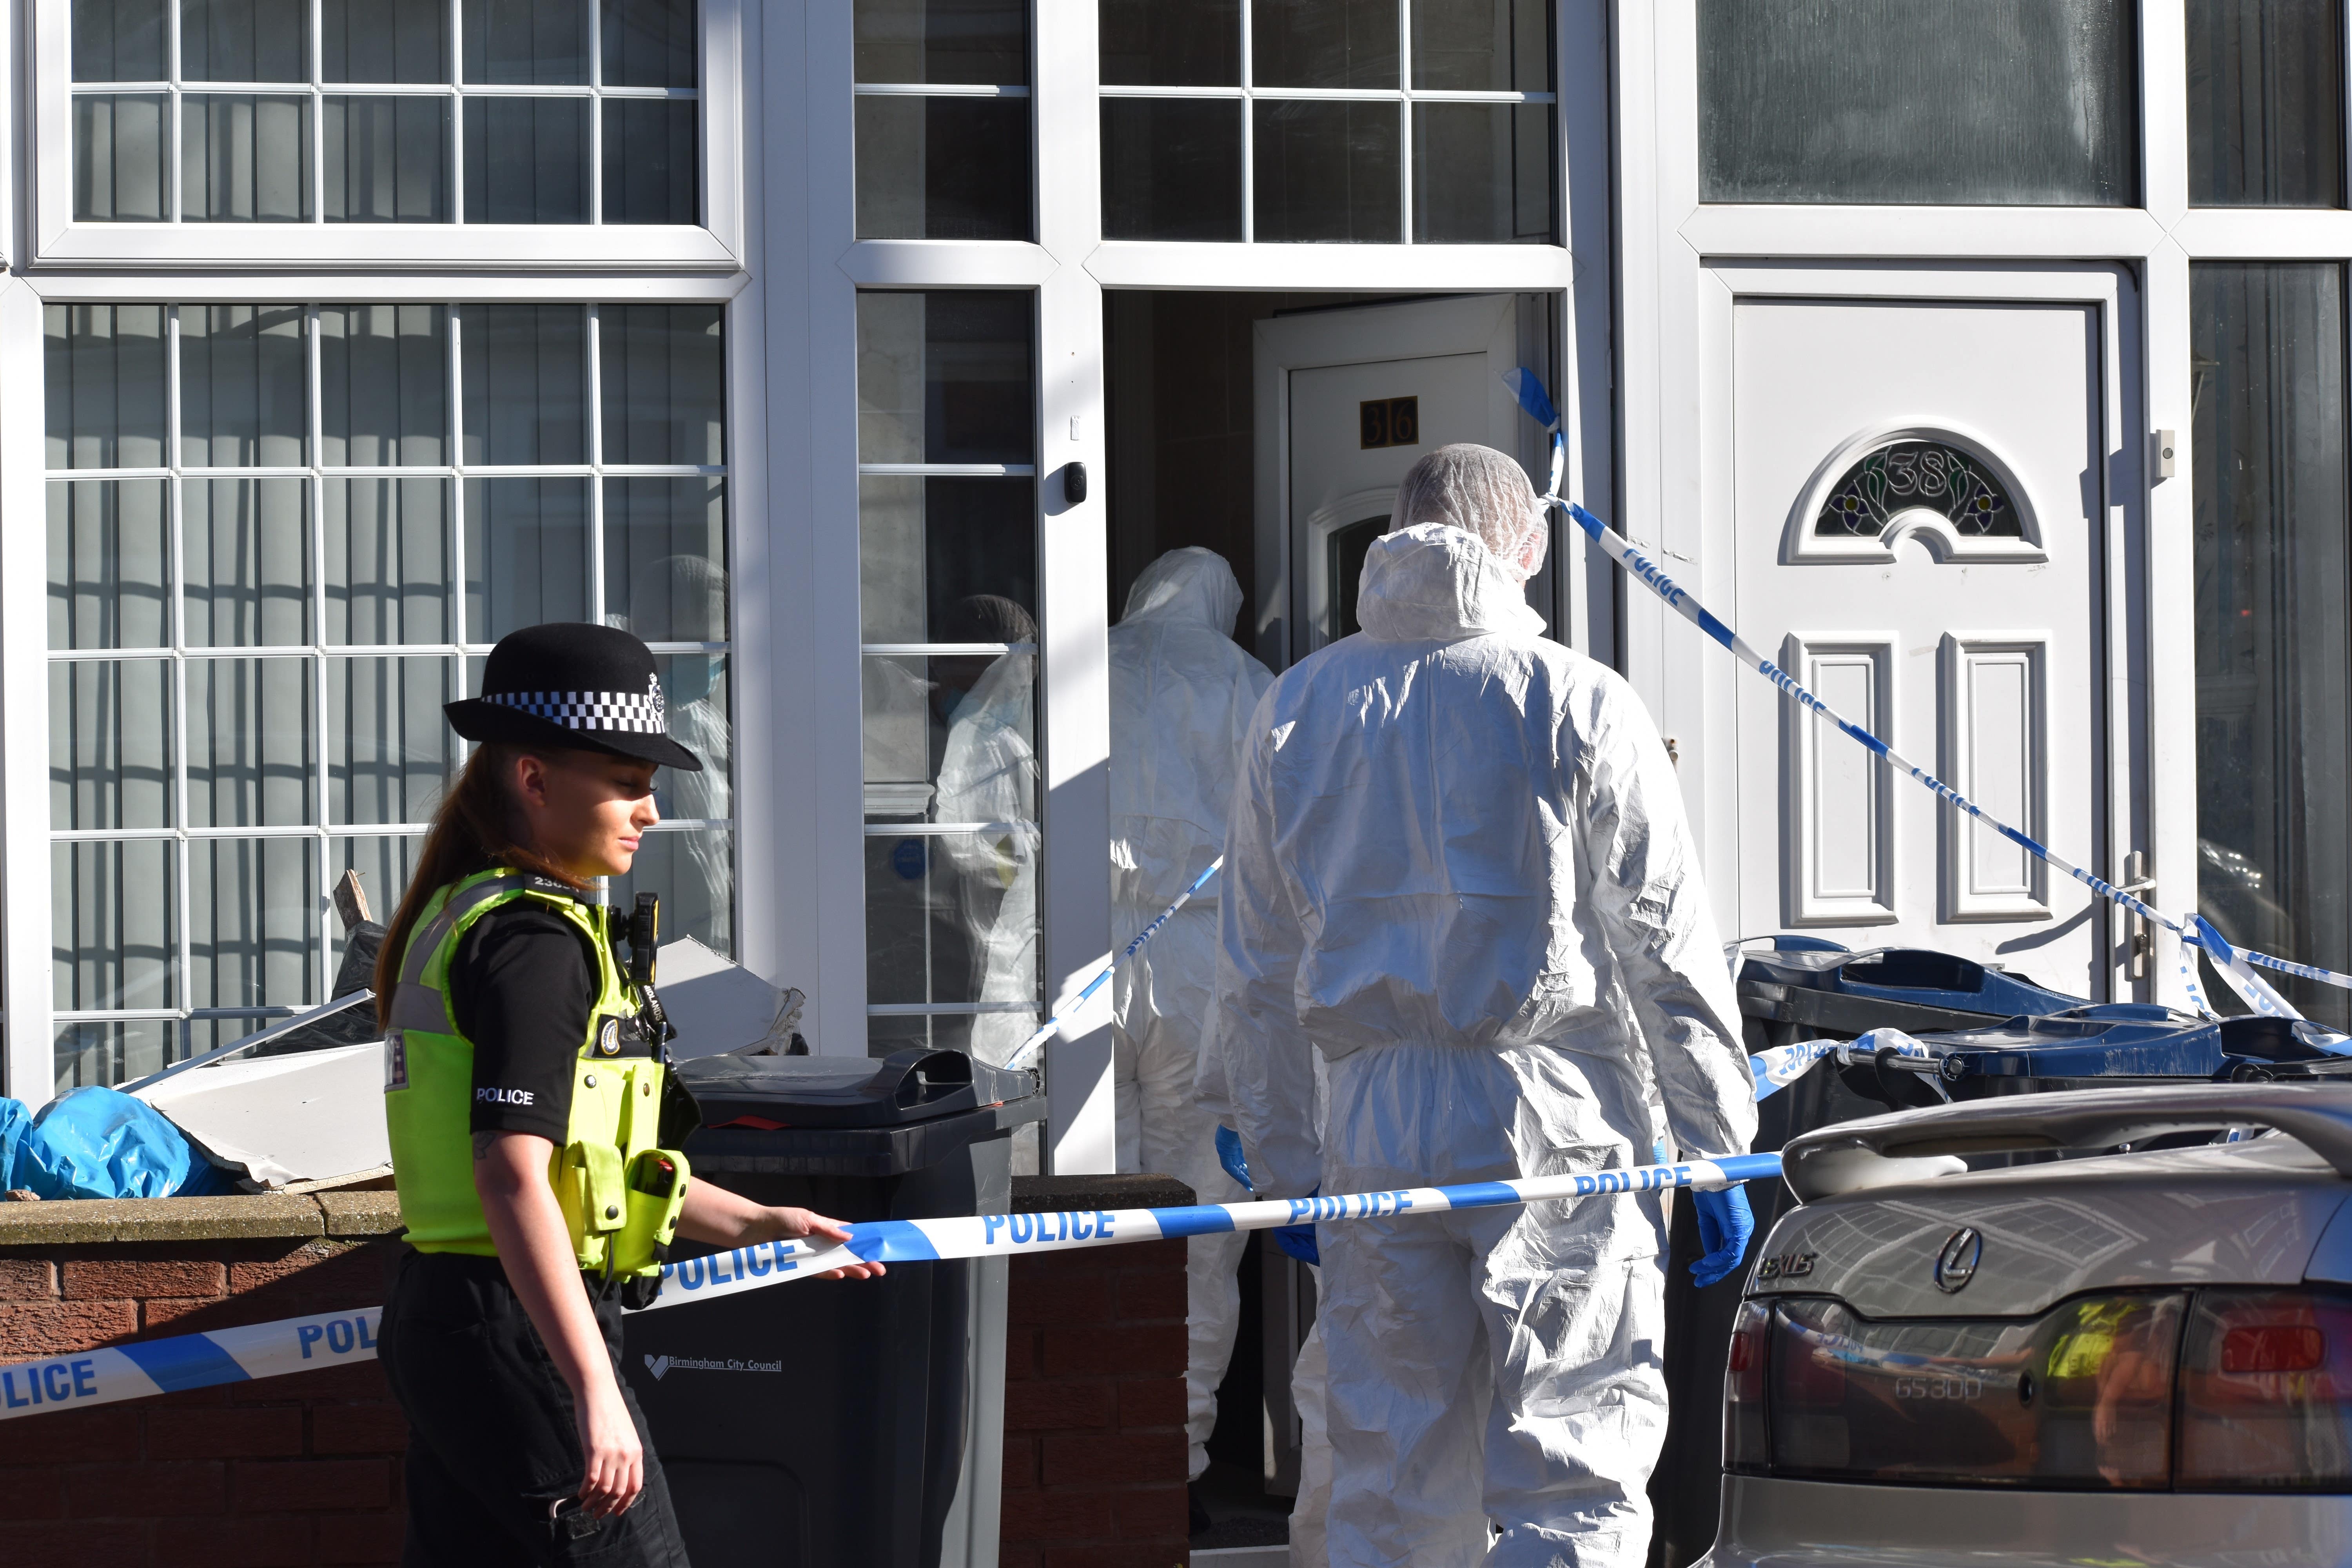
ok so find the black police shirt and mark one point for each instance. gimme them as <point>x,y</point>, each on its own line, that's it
<point>522,984</point>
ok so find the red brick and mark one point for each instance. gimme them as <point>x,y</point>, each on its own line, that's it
<point>1157,1295</point>
<point>1122,1350</point>
<point>108,1433</point>
<point>35,1492</point>
<point>27,1280</point>
<point>145,1491</point>
<point>1023,1355</point>
<point>1124,1555</point>
<point>252,1274</point>
<point>111,1546</point>
<point>1009,1555</point>
<point>30,1329</point>
<point>1147,1402</point>
<point>358,1429</point>
<point>162,1312</point>
<point>1058,1516</point>
<point>1058,1406</point>
<point>1149,1258</point>
<point>1113,1459</point>
<point>233,1433</point>
<point>343,1485</point>
<point>111,1279</point>
<point>1153,1513</point>
<point>361,1537</point>
<point>352,1380</point>
<point>241,1542</point>
<point>1085,1299</point>
<point>1020,1463</point>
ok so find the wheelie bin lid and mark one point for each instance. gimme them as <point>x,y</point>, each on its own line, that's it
<point>767,1093</point>
<point>2134,1040</point>
<point>1806,980</point>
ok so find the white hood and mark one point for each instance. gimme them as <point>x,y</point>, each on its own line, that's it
<point>1191,584</point>
<point>1434,581</point>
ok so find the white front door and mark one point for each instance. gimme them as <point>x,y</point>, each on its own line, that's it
<point>1924,493</point>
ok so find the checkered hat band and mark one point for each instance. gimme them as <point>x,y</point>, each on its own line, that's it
<point>636,712</point>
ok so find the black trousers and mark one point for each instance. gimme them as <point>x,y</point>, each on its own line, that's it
<point>493,1446</point>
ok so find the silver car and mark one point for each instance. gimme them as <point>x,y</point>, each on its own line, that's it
<point>2131,1358</point>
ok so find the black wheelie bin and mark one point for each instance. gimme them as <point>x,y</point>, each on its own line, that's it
<point>818,1424</point>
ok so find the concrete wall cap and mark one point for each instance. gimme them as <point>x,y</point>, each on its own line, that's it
<point>86,1220</point>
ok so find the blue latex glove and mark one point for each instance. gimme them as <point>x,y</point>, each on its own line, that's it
<point>1298,1241</point>
<point>1725,1226</point>
<point>1229,1155</point>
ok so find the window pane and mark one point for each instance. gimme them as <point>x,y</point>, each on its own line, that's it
<point>388,561</point>
<point>648,43</point>
<point>984,42</point>
<point>951,918</point>
<point>1324,43</point>
<point>666,558</point>
<point>2274,712</point>
<point>252,743</point>
<point>1482,46</point>
<point>942,168</point>
<point>246,547</point>
<point>120,40</point>
<point>530,43</point>
<point>387,160</point>
<point>241,386</point>
<point>1171,43</point>
<point>384,375</point>
<point>1328,171</point>
<point>111,1053</point>
<point>111,744</point>
<point>652,161</point>
<point>384,861</point>
<point>384,40</point>
<point>389,749</point>
<point>946,378</point>
<point>699,719</point>
<point>929,547</point>
<point>541,172</point>
<point>525,554</point>
<point>110,564</point>
<point>245,40</point>
<point>2265,103</point>
<point>253,925</point>
<point>664,386</point>
<point>119,170</point>
<point>1172,168</point>
<point>114,924</point>
<point>526,383</point>
<point>1962,102</point>
<point>694,873</point>
<point>245,158</point>
<point>1482,173</point>
<point>104,368</point>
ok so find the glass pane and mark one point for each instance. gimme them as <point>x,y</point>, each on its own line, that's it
<point>110,564</point>
<point>104,369</point>
<point>1963,101</point>
<point>245,40</point>
<point>666,558</point>
<point>111,1053</point>
<point>1482,46</point>
<point>2265,103</point>
<point>1324,43</point>
<point>1482,173</point>
<point>1328,171</point>
<point>111,744</point>
<point>384,40</point>
<point>953,738</point>
<point>2274,713</point>
<point>945,377</point>
<point>541,174</point>
<point>951,918</point>
<point>927,546</point>
<point>942,168</point>
<point>526,383</point>
<point>648,43</point>
<point>529,43</point>
<point>241,381</point>
<point>384,862</point>
<point>120,175</point>
<point>252,743</point>
<point>984,42</point>
<point>389,749</point>
<point>694,873</point>
<point>525,554</point>
<point>387,160</point>
<point>663,389</point>
<point>244,545</point>
<point>388,562</point>
<point>384,375</point>
<point>695,684</point>
<point>114,924</point>
<point>1171,43</point>
<point>245,158</point>
<point>253,925</point>
<point>1172,168</point>
<point>653,160</point>
<point>120,40</point>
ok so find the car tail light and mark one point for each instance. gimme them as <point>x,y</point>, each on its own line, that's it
<point>2266,1391</point>
<point>1743,1388</point>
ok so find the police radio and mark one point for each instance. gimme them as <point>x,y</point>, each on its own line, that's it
<point>644,944</point>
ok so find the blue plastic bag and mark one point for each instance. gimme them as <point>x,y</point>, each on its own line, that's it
<point>101,1143</point>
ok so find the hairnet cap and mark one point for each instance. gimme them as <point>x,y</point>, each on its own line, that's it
<point>1476,488</point>
<point>577,684</point>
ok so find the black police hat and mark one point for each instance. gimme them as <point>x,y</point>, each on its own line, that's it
<point>573,684</point>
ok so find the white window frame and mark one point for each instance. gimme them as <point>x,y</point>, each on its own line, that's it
<point>58,241</point>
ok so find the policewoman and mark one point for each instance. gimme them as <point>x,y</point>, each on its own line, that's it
<point>525,1094</point>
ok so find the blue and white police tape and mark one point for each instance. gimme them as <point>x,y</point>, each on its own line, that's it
<point>1047,1030</point>
<point>1777,1068</point>
<point>188,1361</point>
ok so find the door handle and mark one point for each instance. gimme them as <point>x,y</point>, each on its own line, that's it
<point>2139,942</point>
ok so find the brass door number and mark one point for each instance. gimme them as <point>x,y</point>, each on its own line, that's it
<point>1390,422</point>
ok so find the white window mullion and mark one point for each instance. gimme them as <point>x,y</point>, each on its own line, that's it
<point>1249,130</point>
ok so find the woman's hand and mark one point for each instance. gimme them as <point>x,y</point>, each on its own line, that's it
<point>616,1459</point>
<point>722,1218</point>
<point>793,1225</point>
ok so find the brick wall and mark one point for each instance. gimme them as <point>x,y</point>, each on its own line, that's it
<point>1094,1391</point>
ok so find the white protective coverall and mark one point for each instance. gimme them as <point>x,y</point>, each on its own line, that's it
<point>1459,866</point>
<point>1180,696</point>
<point>989,773</point>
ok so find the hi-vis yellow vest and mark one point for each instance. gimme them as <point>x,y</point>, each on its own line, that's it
<point>620,1194</point>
